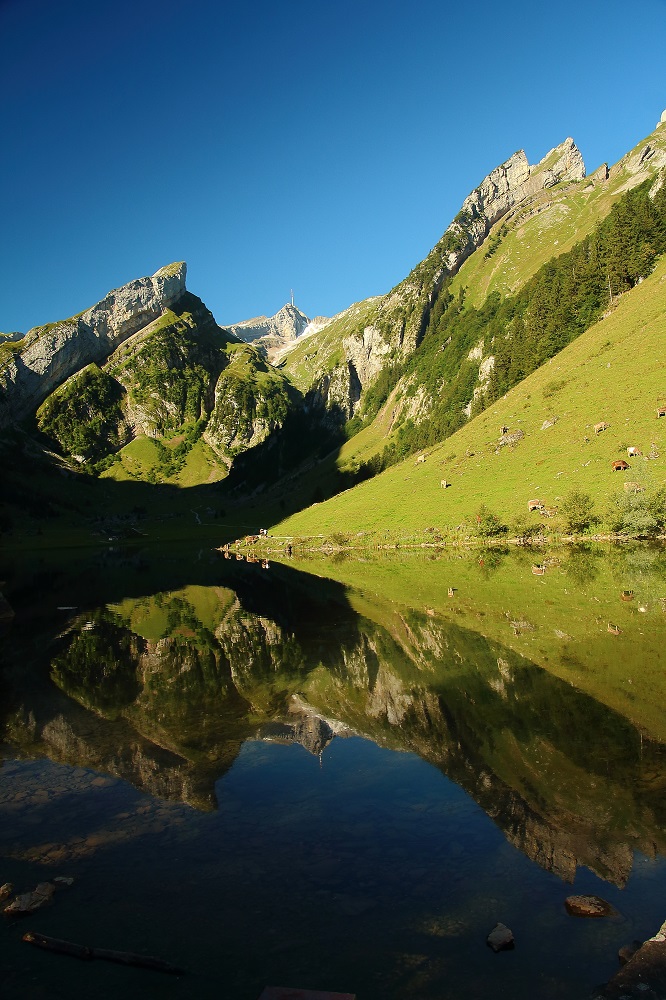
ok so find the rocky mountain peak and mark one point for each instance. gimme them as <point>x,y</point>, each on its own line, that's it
<point>286,325</point>
<point>508,185</point>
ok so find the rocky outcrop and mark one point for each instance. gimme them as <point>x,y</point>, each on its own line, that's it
<point>336,394</point>
<point>48,355</point>
<point>251,402</point>
<point>405,309</point>
<point>367,353</point>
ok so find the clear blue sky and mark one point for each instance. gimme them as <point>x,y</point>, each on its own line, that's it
<point>322,146</point>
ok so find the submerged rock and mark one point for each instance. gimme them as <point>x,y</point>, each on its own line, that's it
<point>28,902</point>
<point>589,906</point>
<point>627,951</point>
<point>500,938</point>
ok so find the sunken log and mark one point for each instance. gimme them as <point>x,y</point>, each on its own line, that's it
<point>82,951</point>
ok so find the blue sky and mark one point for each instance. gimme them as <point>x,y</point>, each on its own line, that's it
<point>320,146</point>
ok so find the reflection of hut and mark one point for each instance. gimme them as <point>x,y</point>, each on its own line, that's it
<point>627,595</point>
<point>620,465</point>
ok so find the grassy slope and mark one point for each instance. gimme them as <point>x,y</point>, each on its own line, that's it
<point>615,372</point>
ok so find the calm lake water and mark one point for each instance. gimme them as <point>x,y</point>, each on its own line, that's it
<point>271,778</point>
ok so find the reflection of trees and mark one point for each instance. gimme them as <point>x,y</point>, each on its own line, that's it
<point>99,668</point>
<point>581,565</point>
<point>490,560</point>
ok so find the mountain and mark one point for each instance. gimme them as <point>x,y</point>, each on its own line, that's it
<point>579,265</point>
<point>144,385</point>
<point>147,387</point>
<point>271,333</point>
<point>33,366</point>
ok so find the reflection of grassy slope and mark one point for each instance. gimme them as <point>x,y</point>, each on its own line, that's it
<point>615,372</point>
<point>148,617</point>
<point>570,619</point>
<point>433,684</point>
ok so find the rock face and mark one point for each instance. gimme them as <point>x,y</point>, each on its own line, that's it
<point>50,354</point>
<point>366,353</point>
<point>643,975</point>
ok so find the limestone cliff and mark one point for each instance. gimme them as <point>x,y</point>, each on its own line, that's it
<point>49,354</point>
<point>400,317</point>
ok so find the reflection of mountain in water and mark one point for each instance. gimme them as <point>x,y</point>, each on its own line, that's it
<point>163,691</point>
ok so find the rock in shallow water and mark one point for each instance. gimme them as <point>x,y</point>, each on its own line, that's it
<point>500,938</point>
<point>28,902</point>
<point>589,906</point>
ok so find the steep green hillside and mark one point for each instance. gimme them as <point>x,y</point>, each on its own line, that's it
<point>615,373</point>
<point>547,270</point>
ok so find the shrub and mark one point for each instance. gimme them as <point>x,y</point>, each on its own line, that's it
<point>577,509</point>
<point>637,513</point>
<point>489,525</point>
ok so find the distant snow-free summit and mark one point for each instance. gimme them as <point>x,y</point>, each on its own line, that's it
<point>273,334</point>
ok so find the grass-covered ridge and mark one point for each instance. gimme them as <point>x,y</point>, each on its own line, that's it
<point>515,333</point>
<point>615,372</point>
<point>551,224</point>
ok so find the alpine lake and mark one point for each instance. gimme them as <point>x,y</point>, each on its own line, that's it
<point>333,773</point>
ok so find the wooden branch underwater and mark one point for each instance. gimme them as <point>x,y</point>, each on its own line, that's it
<point>83,951</point>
